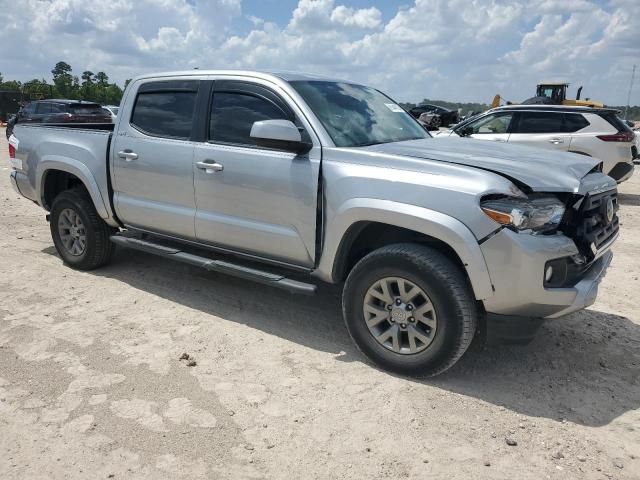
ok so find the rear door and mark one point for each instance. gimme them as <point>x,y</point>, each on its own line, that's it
<point>256,200</point>
<point>152,158</point>
<point>541,129</point>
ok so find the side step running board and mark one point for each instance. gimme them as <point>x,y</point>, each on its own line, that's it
<point>220,266</point>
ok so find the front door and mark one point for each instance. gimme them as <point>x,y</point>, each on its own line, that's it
<point>152,155</point>
<point>253,199</point>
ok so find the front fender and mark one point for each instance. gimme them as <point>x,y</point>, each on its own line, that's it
<point>428,222</point>
<point>74,167</point>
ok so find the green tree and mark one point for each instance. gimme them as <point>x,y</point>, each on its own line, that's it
<point>88,91</point>
<point>37,88</point>
<point>62,79</point>
<point>102,79</point>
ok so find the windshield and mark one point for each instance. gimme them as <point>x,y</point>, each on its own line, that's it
<point>356,116</point>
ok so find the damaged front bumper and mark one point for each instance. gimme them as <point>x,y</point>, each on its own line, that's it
<point>517,269</point>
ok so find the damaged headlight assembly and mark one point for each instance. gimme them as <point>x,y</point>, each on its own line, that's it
<point>535,214</point>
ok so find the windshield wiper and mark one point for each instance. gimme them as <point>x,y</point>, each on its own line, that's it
<point>370,143</point>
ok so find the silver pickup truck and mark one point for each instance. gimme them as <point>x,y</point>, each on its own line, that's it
<point>285,178</point>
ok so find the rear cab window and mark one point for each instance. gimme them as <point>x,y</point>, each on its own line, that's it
<point>165,108</point>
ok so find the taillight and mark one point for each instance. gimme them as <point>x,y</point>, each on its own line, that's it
<point>618,137</point>
<point>12,151</point>
<point>67,117</point>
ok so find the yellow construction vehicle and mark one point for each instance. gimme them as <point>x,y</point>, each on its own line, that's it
<point>552,93</point>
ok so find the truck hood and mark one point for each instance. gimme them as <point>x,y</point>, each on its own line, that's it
<point>540,170</point>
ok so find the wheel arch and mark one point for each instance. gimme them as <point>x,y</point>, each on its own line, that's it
<point>362,224</point>
<point>57,175</point>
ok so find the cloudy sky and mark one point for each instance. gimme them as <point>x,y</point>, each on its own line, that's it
<point>464,50</point>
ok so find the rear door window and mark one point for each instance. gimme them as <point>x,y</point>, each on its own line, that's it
<point>57,108</point>
<point>574,122</point>
<point>165,112</point>
<point>43,108</point>
<point>539,122</point>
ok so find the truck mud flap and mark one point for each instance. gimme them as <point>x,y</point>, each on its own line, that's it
<point>213,265</point>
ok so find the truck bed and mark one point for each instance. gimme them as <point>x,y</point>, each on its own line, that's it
<point>80,149</point>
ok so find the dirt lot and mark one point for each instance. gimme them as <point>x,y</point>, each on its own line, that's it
<point>91,385</point>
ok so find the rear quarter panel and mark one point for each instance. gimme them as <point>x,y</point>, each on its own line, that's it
<point>76,151</point>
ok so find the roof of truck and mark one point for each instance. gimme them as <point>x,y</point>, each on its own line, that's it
<point>285,75</point>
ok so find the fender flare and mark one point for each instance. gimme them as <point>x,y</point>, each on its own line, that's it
<point>419,219</point>
<point>74,167</point>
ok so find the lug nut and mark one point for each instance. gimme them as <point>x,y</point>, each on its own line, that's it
<point>398,301</point>
<point>389,307</point>
<point>392,320</point>
<point>403,325</point>
<point>409,307</point>
<point>411,319</point>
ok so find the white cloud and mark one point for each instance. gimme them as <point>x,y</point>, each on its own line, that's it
<point>455,49</point>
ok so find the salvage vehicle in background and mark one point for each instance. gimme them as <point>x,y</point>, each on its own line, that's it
<point>285,178</point>
<point>113,111</point>
<point>447,117</point>
<point>60,111</point>
<point>430,120</point>
<point>552,93</point>
<point>597,133</point>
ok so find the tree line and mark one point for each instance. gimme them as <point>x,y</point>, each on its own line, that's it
<point>94,87</point>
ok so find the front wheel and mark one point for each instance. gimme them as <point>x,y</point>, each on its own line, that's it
<point>409,309</point>
<point>81,237</point>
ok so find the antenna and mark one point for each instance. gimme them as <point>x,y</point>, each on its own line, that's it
<point>626,109</point>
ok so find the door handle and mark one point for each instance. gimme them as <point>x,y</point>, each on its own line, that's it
<point>210,166</point>
<point>128,155</point>
<point>556,141</point>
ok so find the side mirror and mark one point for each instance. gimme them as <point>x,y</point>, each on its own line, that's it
<point>465,131</point>
<point>280,135</point>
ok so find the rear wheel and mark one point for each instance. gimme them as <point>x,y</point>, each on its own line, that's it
<point>409,309</point>
<point>80,236</point>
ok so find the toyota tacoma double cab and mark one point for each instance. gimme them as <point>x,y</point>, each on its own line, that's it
<point>290,179</point>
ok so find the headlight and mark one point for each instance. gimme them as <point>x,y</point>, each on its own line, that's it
<point>537,214</point>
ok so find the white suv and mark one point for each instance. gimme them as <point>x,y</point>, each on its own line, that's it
<point>596,132</point>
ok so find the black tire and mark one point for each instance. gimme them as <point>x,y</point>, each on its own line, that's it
<point>98,248</point>
<point>444,283</point>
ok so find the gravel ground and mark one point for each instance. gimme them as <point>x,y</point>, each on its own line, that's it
<point>92,385</point>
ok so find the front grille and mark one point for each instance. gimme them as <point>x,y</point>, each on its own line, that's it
<point>596,222</point>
